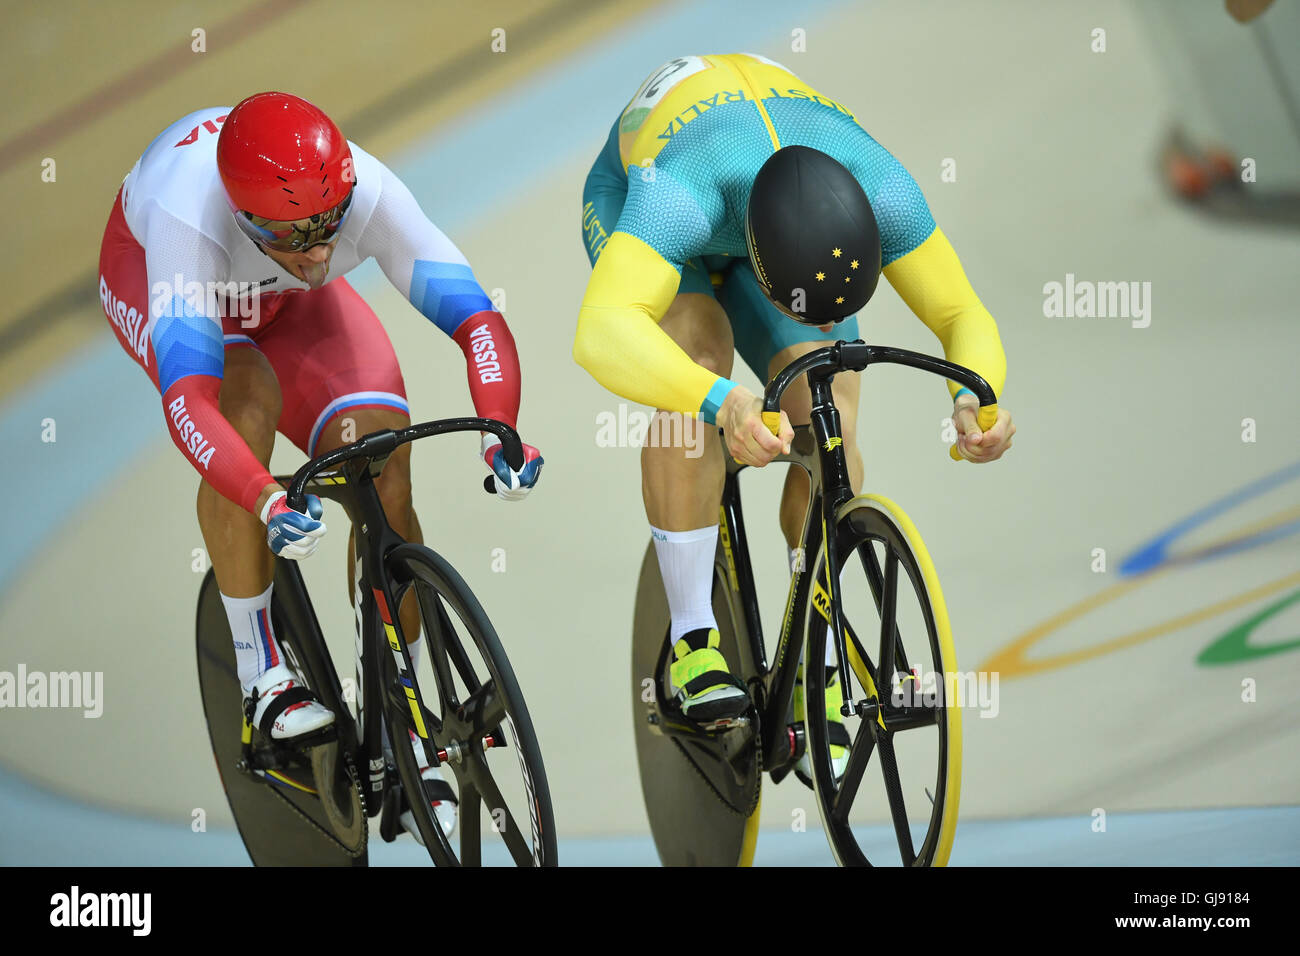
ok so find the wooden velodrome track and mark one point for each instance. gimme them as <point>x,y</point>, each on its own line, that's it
<point>1124,432</point>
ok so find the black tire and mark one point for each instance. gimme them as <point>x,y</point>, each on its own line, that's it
<point>469,668</point>
<point>876,541</point>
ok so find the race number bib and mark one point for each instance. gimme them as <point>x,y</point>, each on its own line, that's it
<point>655,88</point>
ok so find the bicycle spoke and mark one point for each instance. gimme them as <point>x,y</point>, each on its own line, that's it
<point>867,554</point>
<point>471,850</point>
<point>897,807</point>
<point>505,824</point>
<point>437,639</point>
<point>484,709</point>
<point>854,646</point>
<point>888,622</point>
<point>859,757</point>
<point>455,649</point>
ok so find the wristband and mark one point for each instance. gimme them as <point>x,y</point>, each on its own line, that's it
<point>266,508</point>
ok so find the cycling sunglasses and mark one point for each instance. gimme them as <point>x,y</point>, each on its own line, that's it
<point>297,235</point>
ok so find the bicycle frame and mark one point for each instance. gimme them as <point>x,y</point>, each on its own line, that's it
<point>353,486</point>
<point>807,451</point>
<point>830,488</point>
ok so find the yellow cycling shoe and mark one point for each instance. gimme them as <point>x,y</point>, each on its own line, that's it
<point>835,729</point>
<point>706,690</point>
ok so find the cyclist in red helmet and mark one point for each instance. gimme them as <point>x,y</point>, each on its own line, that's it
<point>221,273</point>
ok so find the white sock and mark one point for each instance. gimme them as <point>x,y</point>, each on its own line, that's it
<point>686,565</point>
<point>256,649</point>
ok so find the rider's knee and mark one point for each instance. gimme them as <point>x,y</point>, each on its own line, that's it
<point>797,487</point>
<point>394,487</point>
<point>250,399</point>
<point>255,417</point>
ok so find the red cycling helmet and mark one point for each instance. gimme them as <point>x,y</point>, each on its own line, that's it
<point>287,170</point>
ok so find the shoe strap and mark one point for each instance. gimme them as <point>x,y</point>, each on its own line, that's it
<point>282,702</point>
<point>710,679</point>
<point>439,790</point>
<point>697,640</point>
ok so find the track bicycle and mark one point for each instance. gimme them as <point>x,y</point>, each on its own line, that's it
<point>309,803</point>
<point>892,650</point>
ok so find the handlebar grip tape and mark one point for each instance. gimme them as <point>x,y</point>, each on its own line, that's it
<point>987,417</point>
<point>773,422</point>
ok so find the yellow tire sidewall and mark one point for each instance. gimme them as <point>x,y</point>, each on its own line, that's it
<point>947,652</point>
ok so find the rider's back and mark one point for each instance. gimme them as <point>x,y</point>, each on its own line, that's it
<point>700,127</point>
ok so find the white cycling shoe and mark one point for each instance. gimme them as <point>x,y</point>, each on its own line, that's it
<point>439,793</point>
<point>284,709</point>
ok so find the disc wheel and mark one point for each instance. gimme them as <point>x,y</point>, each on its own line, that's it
<point>701,795</point>
<point>279,813</point>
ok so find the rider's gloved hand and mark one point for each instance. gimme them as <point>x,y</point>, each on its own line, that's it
<point>289,533</point>
<point>511,485</point>
<point>748,439</point>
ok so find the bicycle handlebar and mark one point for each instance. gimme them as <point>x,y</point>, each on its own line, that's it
<point>856,357</point>
<point>380,443</point>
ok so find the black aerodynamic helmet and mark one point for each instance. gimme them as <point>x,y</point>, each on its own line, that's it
<point>812,236</point>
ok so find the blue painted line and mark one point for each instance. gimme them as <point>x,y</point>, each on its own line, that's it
<point>108,415</point>
<point>1153,553</point>
<point>1244,544</point>
<point>105,414</point>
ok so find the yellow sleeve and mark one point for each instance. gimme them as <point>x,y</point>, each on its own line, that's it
<point>619,340</point>
<point>931,281</point>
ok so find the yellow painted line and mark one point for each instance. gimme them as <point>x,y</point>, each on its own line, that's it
<point>1249,531</point>
<point>1011,661</point>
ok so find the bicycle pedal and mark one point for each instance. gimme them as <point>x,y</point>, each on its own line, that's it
<point>307,742</point>
<point>390,824</point>
<point>723,724</point>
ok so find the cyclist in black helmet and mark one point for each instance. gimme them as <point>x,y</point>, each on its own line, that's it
<point>735,208</point>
